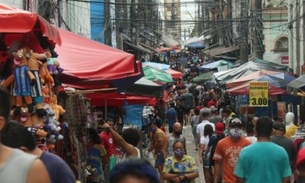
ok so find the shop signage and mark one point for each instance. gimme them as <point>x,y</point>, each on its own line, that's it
<point>258,94</point>
<point>285,60</point>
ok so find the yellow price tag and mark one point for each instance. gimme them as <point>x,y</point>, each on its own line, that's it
<point>258,94</point>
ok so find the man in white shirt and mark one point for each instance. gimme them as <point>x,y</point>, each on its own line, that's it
<point>205,115</point>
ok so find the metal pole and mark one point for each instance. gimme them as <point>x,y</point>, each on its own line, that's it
<point>245,29</point>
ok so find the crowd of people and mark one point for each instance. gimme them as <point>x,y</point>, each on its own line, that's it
<point>230,149</point>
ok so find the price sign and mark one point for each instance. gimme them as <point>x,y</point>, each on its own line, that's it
<point>258,94</point>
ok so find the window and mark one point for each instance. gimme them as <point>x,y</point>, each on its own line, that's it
<point>281,43</point>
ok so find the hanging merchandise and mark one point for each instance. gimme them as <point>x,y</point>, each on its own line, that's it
<point>75,138</point>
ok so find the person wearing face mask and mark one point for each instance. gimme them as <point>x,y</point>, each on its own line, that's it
<point>180,168</point>
<point>227,152</point>
<point>173,137</point>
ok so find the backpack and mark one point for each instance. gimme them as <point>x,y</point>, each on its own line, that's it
<point>218,137</point>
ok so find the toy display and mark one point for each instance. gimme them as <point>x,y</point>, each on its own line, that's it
<point>23,80</point>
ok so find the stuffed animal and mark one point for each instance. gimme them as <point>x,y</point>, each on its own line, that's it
<point>52,128</point>
<point>53,66</point>
<point>58,110</point>
<point>24,80</point>
<point>34,65</point>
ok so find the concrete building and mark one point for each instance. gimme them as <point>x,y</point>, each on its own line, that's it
<point>172,18</point>
<point>296,34</point>
<point>16,3</point>
<point>276,34</point>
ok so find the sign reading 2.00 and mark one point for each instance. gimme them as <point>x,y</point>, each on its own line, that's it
<point>258,94</point>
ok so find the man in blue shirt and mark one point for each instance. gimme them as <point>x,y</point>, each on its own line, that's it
<point>172,117</point>
<point>263,161</point>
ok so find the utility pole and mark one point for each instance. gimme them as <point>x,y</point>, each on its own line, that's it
<point>243,45</point>
<point>59,9</point>
<point>257,27</point>
<point>118,23</point>
<point>107,23</point>
<point>133,28</point>
<point>297,37</point>
<point>303,27</point>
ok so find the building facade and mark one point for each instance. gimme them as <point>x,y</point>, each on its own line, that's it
<point>172,18</point>
<point>17,4</point>
<point>296,34</point>
<point>276,34</point>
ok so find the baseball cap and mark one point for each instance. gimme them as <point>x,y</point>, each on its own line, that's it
<point>279,126</point>
<point>301,157</point>
<point>219,127</point>
<point>235,121</point>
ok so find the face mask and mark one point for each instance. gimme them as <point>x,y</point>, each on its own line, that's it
<point>153,129</point>
<point>236,132</point>
<point>178,153</point>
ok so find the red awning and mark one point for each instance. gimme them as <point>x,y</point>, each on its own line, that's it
<point>86,61</point>
<point>14,20</point>
<point>115,99</point>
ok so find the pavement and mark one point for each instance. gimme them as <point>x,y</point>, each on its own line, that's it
<point>190,146</point>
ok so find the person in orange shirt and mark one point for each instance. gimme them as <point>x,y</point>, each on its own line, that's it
<point>227,152</point>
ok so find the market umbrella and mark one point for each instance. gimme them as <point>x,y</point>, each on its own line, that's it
<point>285,76</point>
<point>249,77</point>
<point>153,74</point>
<point>203,77</point>
<point>298,83</point>
<point>145,87</point>
<point>244,90</point>
<point>274,81</point>
<point>14,20</point>
<point>214,65</point>
<point>174,74</point>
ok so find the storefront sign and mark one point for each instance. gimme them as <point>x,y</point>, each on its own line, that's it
<point>258,94</point>
<point>285,60</point>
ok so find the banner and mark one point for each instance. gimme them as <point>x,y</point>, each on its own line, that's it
<point>258,94</point>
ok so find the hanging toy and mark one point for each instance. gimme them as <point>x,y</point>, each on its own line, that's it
<point>34,62</point>
<point>52,128</point>
<point>24,80</point>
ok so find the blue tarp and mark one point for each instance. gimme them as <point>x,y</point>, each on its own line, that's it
<point>156,65</point>
<point>216,64</point>
<point>134,115</point>
<point>198,45</point>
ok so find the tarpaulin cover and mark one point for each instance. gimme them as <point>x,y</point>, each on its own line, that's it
<point>153,74</point>
<point>244,90</point>
<point>298,83</point>
<point>87,62</point>
<point>115,99</point>
<point>174,74</point>
<point>249,77</point>
<point>14,20</point>
<point>156,65</point>
<point>214,65</point>
<point>134,115</point>
<point>144,87</point>
<point>244,70</point>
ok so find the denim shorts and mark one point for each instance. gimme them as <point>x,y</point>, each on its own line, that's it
<point>159,159</point>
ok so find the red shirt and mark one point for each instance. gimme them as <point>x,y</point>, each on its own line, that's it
<point>108,143</point>
<point>211,103</point>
